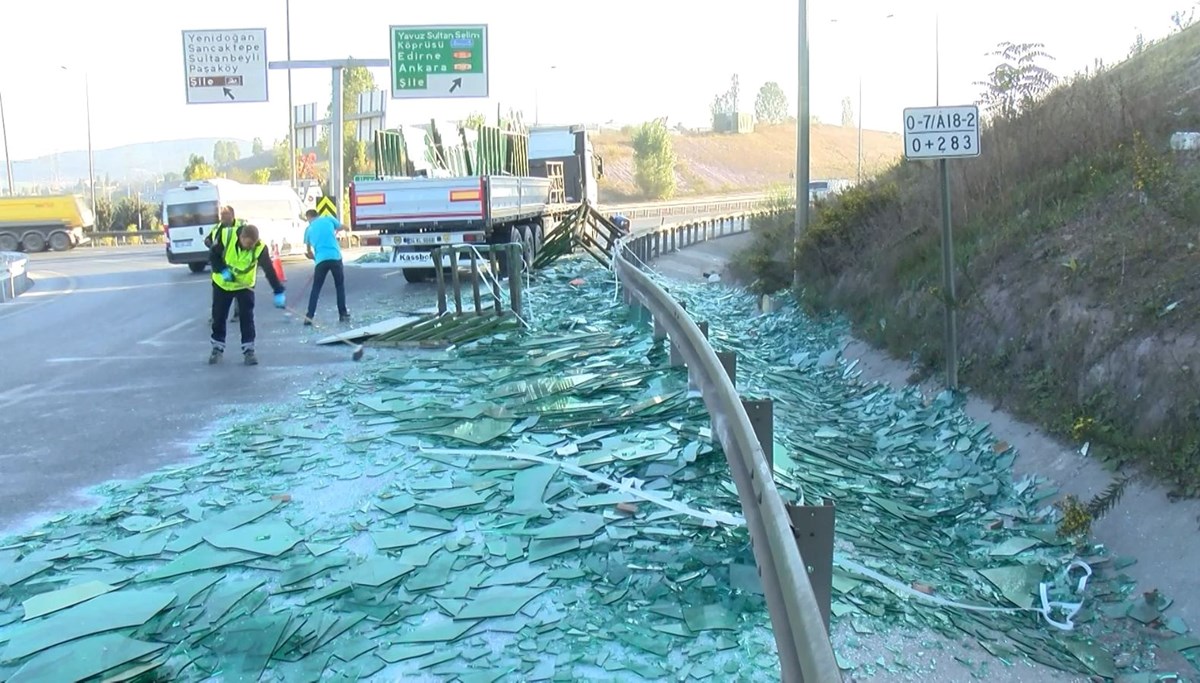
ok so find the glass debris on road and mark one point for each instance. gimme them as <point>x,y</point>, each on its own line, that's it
<point>550,506</point>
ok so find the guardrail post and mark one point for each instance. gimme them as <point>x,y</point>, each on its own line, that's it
<point>454,281</point>
<point>476,299</point>
<point>660,332</point>
<point>762,417</point>
<point>494,263</point>
<point>441,279</point>
<point>729,362</point>
<point>516,265</point>
<point>812,525</point>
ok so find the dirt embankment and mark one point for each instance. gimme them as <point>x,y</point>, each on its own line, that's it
<point>1077,253</point>
<point>715,163</point>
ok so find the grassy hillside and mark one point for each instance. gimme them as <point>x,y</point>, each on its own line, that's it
<point>1077,254</point>
<point>711,163</point>
<point>128,162</point>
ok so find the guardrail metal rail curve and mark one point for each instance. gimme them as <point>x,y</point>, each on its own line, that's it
<point>802,640</point>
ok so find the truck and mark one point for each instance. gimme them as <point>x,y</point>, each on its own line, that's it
<point>191,210</point>
<point>33,223</point>
<point>572,147</point>
<point>446,185</point>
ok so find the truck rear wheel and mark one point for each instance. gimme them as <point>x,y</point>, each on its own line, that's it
<point>9,242</point>
<point>60,241</point>
<point>417,275</point>
<point>33,243</point>
<point>197,267</point>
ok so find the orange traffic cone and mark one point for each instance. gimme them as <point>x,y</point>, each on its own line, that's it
<point>278,264</point>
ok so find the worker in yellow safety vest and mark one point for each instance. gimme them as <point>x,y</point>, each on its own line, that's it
<point>236,255</point>
<point>228,218</point>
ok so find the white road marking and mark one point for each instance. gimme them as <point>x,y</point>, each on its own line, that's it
<point>156,339</point>
<point>15,395</point>
<point>70,288</point>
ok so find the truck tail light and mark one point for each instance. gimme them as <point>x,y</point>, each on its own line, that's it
<point>372,199</point>
<point>464,195</point>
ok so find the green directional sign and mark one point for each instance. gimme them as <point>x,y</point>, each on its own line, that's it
<point>439,61</point>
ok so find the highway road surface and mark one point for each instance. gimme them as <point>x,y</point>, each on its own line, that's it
<point>105,366</point>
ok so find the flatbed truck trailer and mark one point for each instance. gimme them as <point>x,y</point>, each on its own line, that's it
<point>412,216</point>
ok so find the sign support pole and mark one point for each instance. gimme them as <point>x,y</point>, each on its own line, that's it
<point>951,298</point>
<point>337,135</point>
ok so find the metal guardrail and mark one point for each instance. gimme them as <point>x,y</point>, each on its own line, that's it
<point>15,278</point>
<point>800,627</point>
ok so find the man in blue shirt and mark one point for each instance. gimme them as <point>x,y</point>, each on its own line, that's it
<point>321,245</point>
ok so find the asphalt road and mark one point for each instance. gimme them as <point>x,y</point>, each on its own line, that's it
<point>105,366</point>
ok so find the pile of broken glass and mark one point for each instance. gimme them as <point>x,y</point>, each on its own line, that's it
<point>545,506</point>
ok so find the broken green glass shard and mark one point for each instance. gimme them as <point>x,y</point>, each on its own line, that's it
<point>425,520</point>
<point>268,538</point>
<point>444,632</point>
<point>477,432</point>
<point>228,519</point>
<point>397,504</point>
<point>376,572</point>
<point>1018,583</point>
<point>402,538</point>
<point>84,658</point>
<point>709,618</point>
<point>541,549</point>
<point>498,601</point>
<point>109,612</point>
<point>575,525</point>
<point>53,601</point>
<point>514,574</point>
<point>138,546</point>
<point>1013,546</point>
<point>454,499</point>
<point>199,559</point>
<point>529,490</point>
<point>400,653</point>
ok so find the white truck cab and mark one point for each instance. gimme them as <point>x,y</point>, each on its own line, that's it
<point>571,145</point>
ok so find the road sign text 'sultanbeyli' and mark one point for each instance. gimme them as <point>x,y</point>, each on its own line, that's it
<point>439,61</point>
<point>224,66</point>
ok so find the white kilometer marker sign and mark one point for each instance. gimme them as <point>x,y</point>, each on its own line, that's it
<point>941,132</point>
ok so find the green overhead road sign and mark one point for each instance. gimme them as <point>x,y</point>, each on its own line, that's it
<point>439,61</point>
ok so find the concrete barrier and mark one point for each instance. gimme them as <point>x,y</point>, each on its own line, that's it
<point>14,278</point>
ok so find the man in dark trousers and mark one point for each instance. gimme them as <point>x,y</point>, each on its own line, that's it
<point>228,219</point>
<point>321,245</point>
<point>236,255</point>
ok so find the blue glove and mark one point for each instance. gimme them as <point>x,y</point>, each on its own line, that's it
<point>280,300</point>
<point>227,275</point>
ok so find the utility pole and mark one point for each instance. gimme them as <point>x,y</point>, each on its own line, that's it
<point>860,125</point>
<point>802,144</point>
<point>7,156</point>
<point>287,9</point>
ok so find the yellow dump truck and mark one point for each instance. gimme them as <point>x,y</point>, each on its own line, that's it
<point>35,223</point>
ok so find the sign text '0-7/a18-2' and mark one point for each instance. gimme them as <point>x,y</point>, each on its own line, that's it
<point>224,66</point>
<point>940,134</point>
<point>439,61</point>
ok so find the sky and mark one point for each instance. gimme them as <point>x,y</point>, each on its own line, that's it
<point>623,61</point>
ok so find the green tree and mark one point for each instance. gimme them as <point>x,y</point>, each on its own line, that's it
<point>256,147</point>
<point>654,160</point>
<point>847,113</point>
<point>198,169</point>
<point>1018,81</point>
<point>475,121</point>
<point>104,213</point>
<point>226,152</point>
<point>771,105</point>
<point>355,81</point>
<point>260,176</point>
<point>129,210</point>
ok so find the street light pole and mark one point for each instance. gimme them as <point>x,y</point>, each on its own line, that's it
<point>802,145</point>
<point>287,8</point>
<point>87,103</point>
<point>7,156</point>
<point>860,125</point>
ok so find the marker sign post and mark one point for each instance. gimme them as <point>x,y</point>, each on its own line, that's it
<point>225,65</point>
<point>439,61</point>
<point>944,133</point>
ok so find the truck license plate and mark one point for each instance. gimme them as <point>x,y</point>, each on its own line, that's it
<point>182,243</point>
<point>427,238</point>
